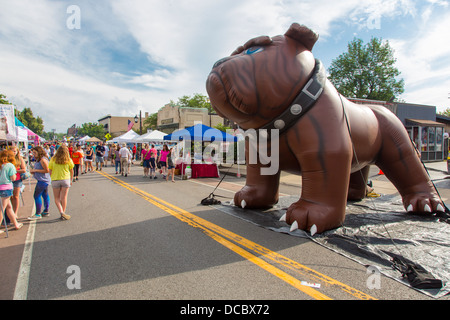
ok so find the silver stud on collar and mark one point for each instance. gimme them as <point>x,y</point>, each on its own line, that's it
<point>296,109</point>
<point>279,124</point>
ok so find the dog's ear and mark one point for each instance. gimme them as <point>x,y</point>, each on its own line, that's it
<point>302,34</point>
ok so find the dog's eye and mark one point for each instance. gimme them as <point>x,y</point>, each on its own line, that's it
<point>253,50</point>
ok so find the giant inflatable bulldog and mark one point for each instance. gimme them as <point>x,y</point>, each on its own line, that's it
<point>276,83</point>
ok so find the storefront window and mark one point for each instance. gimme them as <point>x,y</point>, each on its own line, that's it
<point>431,138</point>
<point>424,139</point>
<point>439,136</point>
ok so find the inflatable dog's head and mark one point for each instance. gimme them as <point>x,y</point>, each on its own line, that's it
<point>261,78</point>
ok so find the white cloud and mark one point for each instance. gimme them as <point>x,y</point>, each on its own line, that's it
<point>62,97</point>
<point>424,60</point>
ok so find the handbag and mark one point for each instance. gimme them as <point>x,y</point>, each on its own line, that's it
<point>25,175</point>
<point>143,157</point>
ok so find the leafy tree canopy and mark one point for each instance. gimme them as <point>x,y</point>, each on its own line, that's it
<point>367,71</point>
<point>92,130</point>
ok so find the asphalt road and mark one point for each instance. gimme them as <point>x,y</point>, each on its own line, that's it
<point>135,238</point>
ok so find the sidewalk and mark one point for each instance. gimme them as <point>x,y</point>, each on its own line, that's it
<point>295,180</point>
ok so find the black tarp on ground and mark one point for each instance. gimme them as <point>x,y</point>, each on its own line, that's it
<point>374,232</point>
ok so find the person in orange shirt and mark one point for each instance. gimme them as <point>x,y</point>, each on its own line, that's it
<point>77,158</point>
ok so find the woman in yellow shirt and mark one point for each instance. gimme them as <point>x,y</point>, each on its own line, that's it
<point>61,173</point>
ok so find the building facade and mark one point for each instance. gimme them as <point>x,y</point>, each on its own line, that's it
<point>171,118</point>
<point>117,126</point>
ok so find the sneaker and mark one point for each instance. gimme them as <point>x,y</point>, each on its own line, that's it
<point>45,214</point>
<point>65,216</point>
<point>35,217</point>
<point>155,177</point>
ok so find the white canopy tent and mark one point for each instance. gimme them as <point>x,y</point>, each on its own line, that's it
<point>84,139</point>
<point>154,135</point>
<point>129,137</point>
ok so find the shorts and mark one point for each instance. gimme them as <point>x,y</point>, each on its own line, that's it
<point>17,184</point>
<point>99,159</point>
<point>146,164</point>
<point>57,184</point>
<point>88,160</point>
<point>162,164</point>
<point>6,193</point>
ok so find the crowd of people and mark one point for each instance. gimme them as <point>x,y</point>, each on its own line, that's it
<point>59,165</point>
<point>55,171</point>
<point>122,158</point>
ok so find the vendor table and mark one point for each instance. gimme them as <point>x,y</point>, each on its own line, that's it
<point>202,170</point>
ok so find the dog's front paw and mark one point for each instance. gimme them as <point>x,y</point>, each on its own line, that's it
<point>255,197</point>
<point>312,217</point>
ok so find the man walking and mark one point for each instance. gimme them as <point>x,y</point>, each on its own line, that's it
<point>125,155</point>
<point>100,152</point>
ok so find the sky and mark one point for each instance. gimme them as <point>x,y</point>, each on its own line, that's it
<point>74,62</point>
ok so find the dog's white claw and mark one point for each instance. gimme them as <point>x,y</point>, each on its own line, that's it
<point>294,226</point>
<point>313,230</point>
<point>427,208</point>
<point>410,208</point>
<point>232,202</point>
<point>283,218</point>
<point>243,204</point>
<point>440,208</point>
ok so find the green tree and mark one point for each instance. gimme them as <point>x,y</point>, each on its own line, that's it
<point>35,124</point>
<point>197,101</point>
<point>52,135</point>
<point>446,112</point>
<point>222,127</point>
<point>3,99</point>
<point>367,71</point>
<point>92,130</point>
<point>150,122</point>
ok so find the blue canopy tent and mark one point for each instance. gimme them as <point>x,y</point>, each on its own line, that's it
<point>200,132</point>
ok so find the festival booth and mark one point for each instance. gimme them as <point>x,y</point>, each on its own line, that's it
<point>129,137</point>
<point>93,140</point>
<point>204,162</point>
<point>22,134</point>
<point>152,136</point>
<point>83,139</point>
<point>12,131</point>
<point>23,130</point>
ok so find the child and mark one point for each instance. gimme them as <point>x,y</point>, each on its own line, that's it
<point>7,176</point>
<point>170,165</point>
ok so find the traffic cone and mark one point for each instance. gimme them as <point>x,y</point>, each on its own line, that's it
<point>380,173</point>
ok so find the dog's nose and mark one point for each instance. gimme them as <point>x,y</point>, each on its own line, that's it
<point>219,62</point>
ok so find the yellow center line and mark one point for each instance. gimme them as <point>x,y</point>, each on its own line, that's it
<point>218,233</point>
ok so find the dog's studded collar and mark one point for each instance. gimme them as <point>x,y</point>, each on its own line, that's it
<point>302,103</point>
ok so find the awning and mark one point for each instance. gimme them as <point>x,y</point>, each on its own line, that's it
<point>423,123</point>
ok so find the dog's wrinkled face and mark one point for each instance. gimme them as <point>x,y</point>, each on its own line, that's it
<point>259,80</point>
